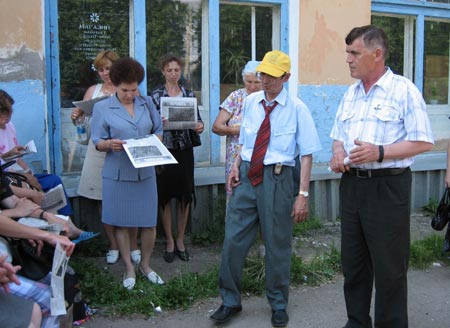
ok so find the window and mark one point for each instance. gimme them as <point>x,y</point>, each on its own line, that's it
<point>394,28</point>
<point>85,28</point>
<point>436,73</point>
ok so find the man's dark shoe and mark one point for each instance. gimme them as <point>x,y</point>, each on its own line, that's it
<point>224,313</point>
<point>279,318</point>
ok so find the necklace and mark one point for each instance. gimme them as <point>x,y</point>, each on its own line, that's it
<point>108,91</point>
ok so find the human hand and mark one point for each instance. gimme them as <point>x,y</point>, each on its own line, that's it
<point>116,144</point>
<point>76,113</point>
<point>199,127</point>
<point>339,162</point>
<point>25,207</point>
<point>300,209</point>
<point>15,151</point>
<point>65,242</point>
<point>364,152</point>
<point>8,273</point>
<point>33,181</point>
<point>233,179</point>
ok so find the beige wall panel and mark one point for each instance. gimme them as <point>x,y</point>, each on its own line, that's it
<point>323,28</point>
<point>21,24</point>
<point>21,40</point>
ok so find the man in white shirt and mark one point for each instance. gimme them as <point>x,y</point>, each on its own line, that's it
<point>276,128</point>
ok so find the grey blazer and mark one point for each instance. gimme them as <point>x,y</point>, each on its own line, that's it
<point>110,120</point>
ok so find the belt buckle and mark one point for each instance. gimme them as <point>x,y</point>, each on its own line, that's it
<point>363,174</point>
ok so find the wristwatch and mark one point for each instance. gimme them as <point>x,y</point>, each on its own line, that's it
<point>303,193</point>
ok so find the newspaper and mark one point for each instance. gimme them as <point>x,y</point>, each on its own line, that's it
<point>148,151</point>
<point>54,199</point>
<point>30,147</point>
<point>59,268</point>
<point>87,106</point>
<point>179,113</point>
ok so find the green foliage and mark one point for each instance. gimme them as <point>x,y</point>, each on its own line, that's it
<point>426,251</point>
<point>233,63</point>
<point>311,224</point>
<point>320,269</point>
<point>431,206</point>
<point>101,289</point>
<point>394,28</point>
<point>213,231</point>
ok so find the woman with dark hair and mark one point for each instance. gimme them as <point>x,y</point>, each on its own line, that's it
<point>176,180</point>
<point>90,185</point>
<point>129,194</point>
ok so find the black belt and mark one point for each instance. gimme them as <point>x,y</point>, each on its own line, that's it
<point>364,173</point>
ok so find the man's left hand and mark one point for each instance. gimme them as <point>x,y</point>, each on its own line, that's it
<point>364,152</point>
<point>300,209</point>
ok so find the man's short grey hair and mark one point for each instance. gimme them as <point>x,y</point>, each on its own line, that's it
<point>372,36</point>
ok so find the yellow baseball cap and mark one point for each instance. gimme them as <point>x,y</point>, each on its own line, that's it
<point>275,63</point>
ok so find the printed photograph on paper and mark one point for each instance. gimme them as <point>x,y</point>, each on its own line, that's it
<point>179,113</point>
<point>148,151</point>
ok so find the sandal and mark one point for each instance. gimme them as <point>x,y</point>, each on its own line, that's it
<point>85,235</point>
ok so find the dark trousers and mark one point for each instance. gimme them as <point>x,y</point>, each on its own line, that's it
<point>375,221</point>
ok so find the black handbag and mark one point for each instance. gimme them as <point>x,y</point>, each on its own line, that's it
<point>440,217</point>
<point>33,266</point>
<point>195,138</point>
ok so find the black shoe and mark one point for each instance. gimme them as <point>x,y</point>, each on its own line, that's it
<point>168,256</point>
<point>279,318</point>
<point>183,255</point>
<point>224,313</point>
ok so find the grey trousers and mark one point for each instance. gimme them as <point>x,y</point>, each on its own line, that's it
<point>267,207</point>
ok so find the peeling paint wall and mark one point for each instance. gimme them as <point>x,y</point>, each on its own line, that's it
<point>323,73</point>
<point>323,27</point>
<point>22,72</point>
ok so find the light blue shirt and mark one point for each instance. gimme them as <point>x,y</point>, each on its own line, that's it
<point>292,129</point>
<point>393,110</point>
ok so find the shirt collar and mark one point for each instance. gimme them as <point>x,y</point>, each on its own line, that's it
<point>281,98</point>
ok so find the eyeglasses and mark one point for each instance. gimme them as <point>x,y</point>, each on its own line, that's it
<point>259,75</point>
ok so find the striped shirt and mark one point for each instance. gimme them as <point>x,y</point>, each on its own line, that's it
<point>392,111</point>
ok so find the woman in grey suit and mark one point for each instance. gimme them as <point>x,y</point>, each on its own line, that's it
<point>129,194</point>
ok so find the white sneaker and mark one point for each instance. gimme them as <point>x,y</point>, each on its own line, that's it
<point>112,256</point>
<point>136,256</point>
<point>153,277</point>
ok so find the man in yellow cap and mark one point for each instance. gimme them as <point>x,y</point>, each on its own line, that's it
<point>276,128</point>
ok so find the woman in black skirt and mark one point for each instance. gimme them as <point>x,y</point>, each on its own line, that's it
<point>176,180</point>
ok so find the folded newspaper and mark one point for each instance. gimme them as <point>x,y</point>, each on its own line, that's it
<point>54,199</point>
<point>87,106</point>
<point>148,151</point>
<point>30,147</point>
<point>179,112</point>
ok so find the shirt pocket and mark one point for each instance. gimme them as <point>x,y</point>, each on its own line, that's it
<point>284,139</point>
<point>388,123</point>
<point>250,131</point>
<point>346,120</point>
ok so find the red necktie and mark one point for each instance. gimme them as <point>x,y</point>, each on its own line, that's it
<point>255,173</point>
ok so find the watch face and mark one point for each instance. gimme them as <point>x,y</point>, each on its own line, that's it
<point>304,193</point>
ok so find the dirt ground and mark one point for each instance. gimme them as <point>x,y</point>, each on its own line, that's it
<point>316,307</point>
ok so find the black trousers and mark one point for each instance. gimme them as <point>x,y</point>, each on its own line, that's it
<point>375,222</point>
